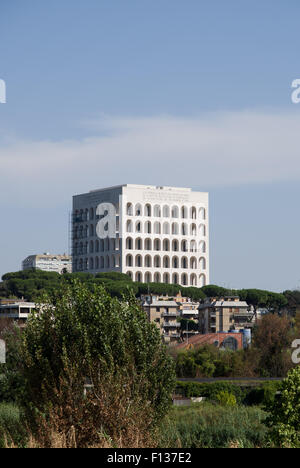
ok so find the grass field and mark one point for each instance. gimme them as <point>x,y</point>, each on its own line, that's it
<point>205,425</point>
<point>202,425</point>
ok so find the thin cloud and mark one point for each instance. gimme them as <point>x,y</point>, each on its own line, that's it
<point>213,150</point>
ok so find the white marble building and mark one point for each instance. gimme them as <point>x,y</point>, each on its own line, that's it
<point>153,234</point>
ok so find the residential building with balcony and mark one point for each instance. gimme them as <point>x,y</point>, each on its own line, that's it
<point>16,310</point>
<point>224,314</point>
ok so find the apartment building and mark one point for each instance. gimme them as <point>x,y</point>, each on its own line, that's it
<point>153,234</point>
<point>224,314</point>
<point>164,313</point>
<point>48,262</point>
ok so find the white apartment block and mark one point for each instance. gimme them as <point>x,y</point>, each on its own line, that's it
<point>153,234</point>
<point>48,262</point>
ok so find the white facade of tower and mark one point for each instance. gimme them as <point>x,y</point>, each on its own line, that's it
<point>153,234</point>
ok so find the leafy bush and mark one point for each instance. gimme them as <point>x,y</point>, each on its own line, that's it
<point>90,335</point>
<point>209,390</point>
<point>225,398</point>
<point>284,419</point>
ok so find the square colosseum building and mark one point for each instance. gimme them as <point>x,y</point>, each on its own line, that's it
<point>153,234</point>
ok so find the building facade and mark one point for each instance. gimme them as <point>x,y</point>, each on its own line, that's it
<point>153,234</point>
<point>47,262</point>
<point>224,314</point>
<point>16,310</point>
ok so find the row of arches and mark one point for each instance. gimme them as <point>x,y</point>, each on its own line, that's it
<point>165,211</point>
<point>165,245</point>
<point>101,245</point>
<point>166,228</point>
<point>183,279</point>
<point>97,263</point>
<point>165,262</point>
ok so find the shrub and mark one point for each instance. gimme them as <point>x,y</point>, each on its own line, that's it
<point>90,337</point>
<point>226,399</point>
<point>285,413</point>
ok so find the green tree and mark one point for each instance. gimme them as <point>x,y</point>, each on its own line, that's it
<point>284,419</point>
<point>90,337</point>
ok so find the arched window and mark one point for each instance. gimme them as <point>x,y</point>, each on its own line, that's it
<point>175,278</point>
<point>156,261</point>
<point>138,277</point>
<point>107,261</point>
<point>202,263</point>
<point>117,260</point>
<point>129,209</point>
<point>184,262</point>
<point>91,263</point>
<point>166,211</point>
<point>97,263</point>
<point>175,262</point>
<point>138,226</point>
<point>129,226</point>
<point>148,227</point>
<point>138,244</point>
<point>91,247</point>
<point>156,211</point>
<point>113,261</point>
<point>148,277</point>
<point>91,213</point>
<point>166,245</point>
<point>148,244</point>
<point>184,279</point>
<point>148,261</point>
<point>202,230</point>
<point>175,245</point>
<point>157,228</point>
<point>129,260</point>
<point>166,262</point>
<point>193,230</point>
<point>193,263</point>
<point>175,229</point>
<point>193,246</point>
<point>157,244</point>
<point>147,210</point>
<point>138,261</point>
<point>184,212</point>
<point>193,280</point>
<point>193,212</point>
<point>184,229</point>
<point>91,230</point>
<point>166,278</point>
<point>129,243</point>
<point>166,228</point>
<point>80,265</point>
<point>202,213</point>
<point>106,242</point>
<point>184,246</point>
<point>102,262</point>
<point>138,210</point>
<point>202,247</point>
<point>97,244</point>
<point>156,277</point>
<point>202,280</point>
<point>101,243</point>
<point>175,212</point>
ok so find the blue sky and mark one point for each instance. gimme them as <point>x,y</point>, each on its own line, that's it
<point>99,91</point>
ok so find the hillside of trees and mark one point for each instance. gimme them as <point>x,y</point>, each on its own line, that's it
<point>33,284</point>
